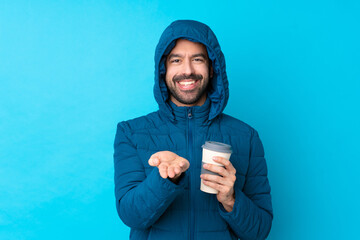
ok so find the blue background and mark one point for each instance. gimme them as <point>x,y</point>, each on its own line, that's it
<point>70,70</point>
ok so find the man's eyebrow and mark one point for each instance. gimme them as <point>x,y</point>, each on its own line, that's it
<point>173,55</point>
<point>200,55</point>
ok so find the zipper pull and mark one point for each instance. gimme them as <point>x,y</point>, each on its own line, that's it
<point>189,114</point>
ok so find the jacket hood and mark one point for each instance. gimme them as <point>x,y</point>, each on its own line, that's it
<point>196,32</point>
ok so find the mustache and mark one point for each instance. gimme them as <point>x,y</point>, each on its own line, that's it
<point>192,76</point>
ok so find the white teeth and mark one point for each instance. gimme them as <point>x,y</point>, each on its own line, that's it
<point>186,83</point>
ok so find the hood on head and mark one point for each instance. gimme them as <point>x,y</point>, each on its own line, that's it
<point>196,32</point>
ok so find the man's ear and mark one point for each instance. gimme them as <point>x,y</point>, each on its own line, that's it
<point>211,72</point>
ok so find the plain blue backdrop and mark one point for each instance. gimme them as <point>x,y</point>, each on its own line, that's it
<point>70,70</point>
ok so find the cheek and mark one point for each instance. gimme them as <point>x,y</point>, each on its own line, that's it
<point>168,77</point>
<point>202,68</point>
<point>169,73</point>
<point>204,71</point>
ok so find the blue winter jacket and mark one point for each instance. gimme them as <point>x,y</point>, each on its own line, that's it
<point>156,208</point>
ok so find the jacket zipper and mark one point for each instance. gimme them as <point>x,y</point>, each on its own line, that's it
<point>191,188</point>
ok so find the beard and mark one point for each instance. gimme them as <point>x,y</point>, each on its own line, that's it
<point>188,97</point>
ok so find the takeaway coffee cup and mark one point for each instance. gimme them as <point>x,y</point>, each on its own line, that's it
<point>213,149</point>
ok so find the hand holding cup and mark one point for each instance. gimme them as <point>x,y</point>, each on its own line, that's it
<point>218,174</point>
<point>223,182</point>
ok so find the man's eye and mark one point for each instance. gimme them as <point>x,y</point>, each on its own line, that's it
<point>198,60</point>
<point>175,61</point>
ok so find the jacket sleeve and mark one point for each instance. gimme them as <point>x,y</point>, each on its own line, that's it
<point>140,199</point>
<point>252,215</point>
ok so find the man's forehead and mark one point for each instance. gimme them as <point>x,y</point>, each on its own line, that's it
<point>187,45</point>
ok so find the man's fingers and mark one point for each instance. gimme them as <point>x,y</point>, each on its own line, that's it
<point>216,169</point>
<point>163,170</point>
<point>227,164</point>
<point>184,164</point>
<point>215,179</point>
<point>213,185</point>
<point>171,172</point>
<point>223,189</point>
<point>177,170</point>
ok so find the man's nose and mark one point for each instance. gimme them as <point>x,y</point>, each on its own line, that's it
<point>188,67</point>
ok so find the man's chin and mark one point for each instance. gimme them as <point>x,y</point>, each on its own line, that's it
<point>188,100</point>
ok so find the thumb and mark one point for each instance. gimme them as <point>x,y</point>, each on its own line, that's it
<point>154,161</point>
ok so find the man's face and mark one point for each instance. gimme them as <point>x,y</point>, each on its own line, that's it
<point>187,73</point>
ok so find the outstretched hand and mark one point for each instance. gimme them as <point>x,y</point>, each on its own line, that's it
<point>170,165</point>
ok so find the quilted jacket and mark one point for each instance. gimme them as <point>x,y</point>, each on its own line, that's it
<point>156,208</point>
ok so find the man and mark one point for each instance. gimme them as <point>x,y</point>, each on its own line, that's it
<point>158,157</point>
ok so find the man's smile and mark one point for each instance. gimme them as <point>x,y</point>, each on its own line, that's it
<point>187,84</point>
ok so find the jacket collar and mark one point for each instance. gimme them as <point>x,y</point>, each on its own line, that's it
<point>199,113</point>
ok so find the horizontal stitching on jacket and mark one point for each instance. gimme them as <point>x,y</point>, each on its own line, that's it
<point>165,230</point>
<point>237,130</point>
<point>149,149</point>
<point>225,230</point>
<point>157,134</point>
